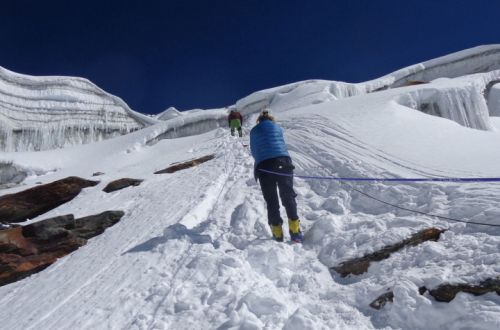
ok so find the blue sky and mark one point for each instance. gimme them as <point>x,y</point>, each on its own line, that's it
<point>206,54</point>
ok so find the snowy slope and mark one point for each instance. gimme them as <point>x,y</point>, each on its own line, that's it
<point>462,101</point>
<point>39,113</point>
<point>193,250</point>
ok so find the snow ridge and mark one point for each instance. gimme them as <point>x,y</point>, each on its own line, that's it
<point>464,103</point>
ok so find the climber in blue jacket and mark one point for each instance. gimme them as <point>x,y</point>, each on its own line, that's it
<point>271,154</point>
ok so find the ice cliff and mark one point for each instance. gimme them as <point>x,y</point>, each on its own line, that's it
<point>38,113</point>
<point>468,96</point>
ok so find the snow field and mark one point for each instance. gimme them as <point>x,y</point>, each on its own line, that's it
<point>193,250</point>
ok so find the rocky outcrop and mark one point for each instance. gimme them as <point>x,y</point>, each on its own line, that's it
<point>360,265</point>
<point>33,202</point>
<point>447,292</point>
<point>30,249</point>
<point>121,183</point>
<point>188,164</point>
<point>382,300</point>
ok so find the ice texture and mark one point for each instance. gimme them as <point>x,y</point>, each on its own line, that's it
<point>494,100</point>
<point>39,113</point>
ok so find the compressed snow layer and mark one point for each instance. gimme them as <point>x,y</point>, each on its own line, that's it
<point>39,113</point>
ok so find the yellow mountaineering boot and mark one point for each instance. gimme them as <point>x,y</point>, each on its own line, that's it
<point>294,228</point>
<point>277,233</point>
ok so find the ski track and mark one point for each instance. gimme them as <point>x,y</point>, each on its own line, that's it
<point>210,260</point>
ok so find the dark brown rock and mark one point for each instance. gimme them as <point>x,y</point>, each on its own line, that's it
<point>422,290</point>
<point>188,164</point>
<point>121,183</point>
<point>33,202</point>
<point>94,225</point>
<point>447,292</point>
<point>360,265</point>
<point>382,300</point>
<point>30,249</point>
<point>12,240</point>
<point>415,82</point>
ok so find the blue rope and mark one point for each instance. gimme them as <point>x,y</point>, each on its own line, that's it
<point>314,177</point>
<point>400,180</point>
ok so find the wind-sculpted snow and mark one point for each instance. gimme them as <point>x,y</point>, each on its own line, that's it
<point>198,122</point>
<point>474,60</point>
<point>39,113</point>
<point>298,94</point>
<point>170,113</point>
<point>464,103</point>
<point>462,99</point>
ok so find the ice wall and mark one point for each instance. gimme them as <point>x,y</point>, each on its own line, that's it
<point>474,60</point>
<point>464,105</point>
<point>494,100</point>
<point>38,113</point>
<point>197,122</point>
<point>461,99</point>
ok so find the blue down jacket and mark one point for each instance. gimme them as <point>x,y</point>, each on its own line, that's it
<point>266,141</point>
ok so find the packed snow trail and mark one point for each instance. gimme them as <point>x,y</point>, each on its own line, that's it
<point>272,278</point>
<point>208,258</point>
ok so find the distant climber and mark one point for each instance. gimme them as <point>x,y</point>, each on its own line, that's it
<point>235,120</point>
<point>270,152</point>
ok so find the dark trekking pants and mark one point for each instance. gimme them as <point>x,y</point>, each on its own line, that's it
<point>272,183</point>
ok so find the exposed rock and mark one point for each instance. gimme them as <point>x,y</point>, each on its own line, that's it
<point>94,225</point>
<point>382,300</point>
<point>415,82</point>
<point>30,249</point>
<point>121,183</point>
<point>360,265</point>
<point>13,241</point>
<point>447,292</point>
<point>188,164</point>
<point>97,173</point>
<point>35,201</point>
